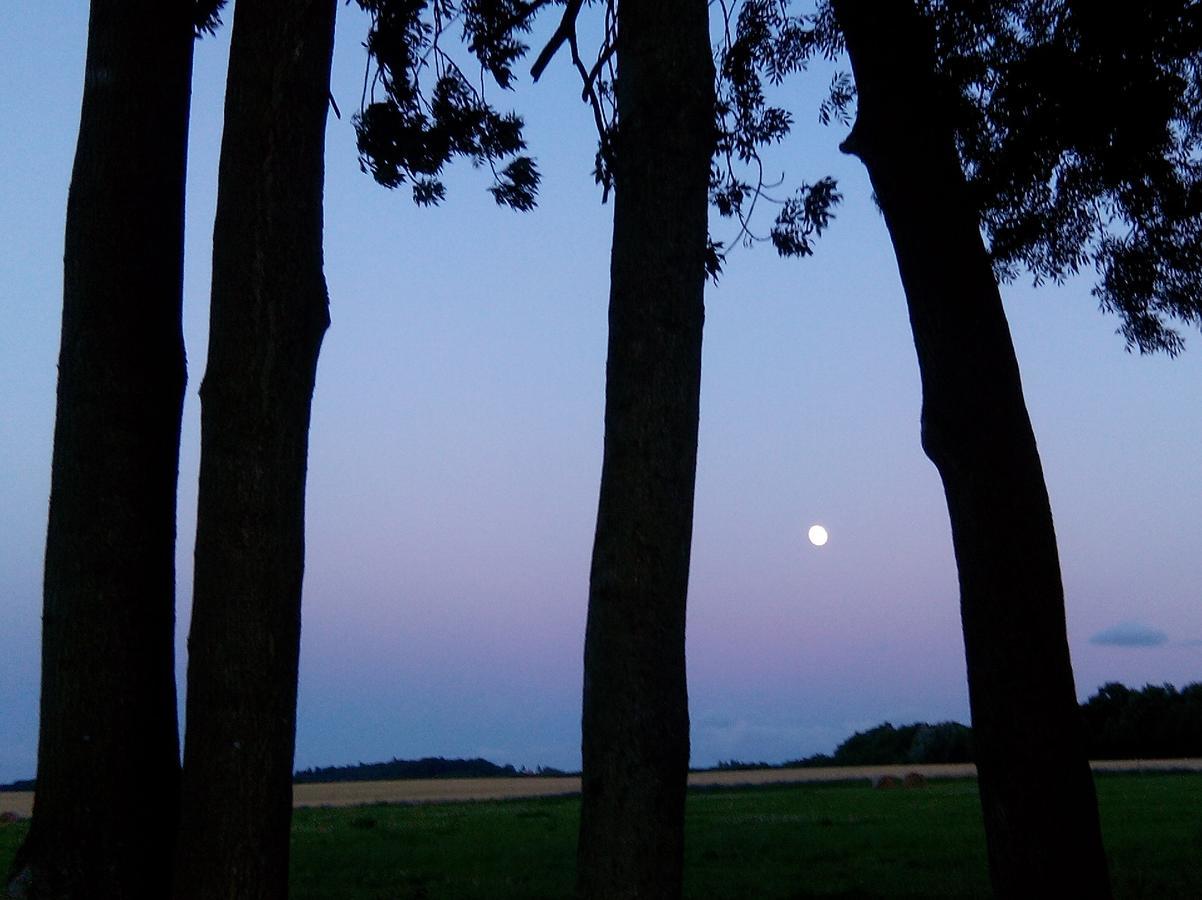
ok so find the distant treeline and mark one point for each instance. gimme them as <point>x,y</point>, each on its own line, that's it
<point>944,742</point>
<point>430,767</point>
<point>1157,722</point>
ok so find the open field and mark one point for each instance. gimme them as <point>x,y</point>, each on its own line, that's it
<point>455,790</point>
<point>841,838</point>
<point>450,790</point>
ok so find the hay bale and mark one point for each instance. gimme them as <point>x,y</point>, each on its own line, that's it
<point>914,780</point>
<point>8,818</point>
<point>886,782</point>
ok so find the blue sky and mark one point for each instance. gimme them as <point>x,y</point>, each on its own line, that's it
<point>456,448</point>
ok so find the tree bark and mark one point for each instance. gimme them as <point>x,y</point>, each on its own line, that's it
<point>635,719</point>
<point>108,748</point>
<point>268,315</point>
<point>1037,793</point>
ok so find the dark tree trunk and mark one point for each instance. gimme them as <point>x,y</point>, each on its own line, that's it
<point>636,722</point>
<point>108,748</point>
<point>1037,793</point>
<point>269,313</point>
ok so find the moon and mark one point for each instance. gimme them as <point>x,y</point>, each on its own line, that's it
<point>818,535</point>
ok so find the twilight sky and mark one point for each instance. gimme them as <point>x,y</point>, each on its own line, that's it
<point>456,450</point>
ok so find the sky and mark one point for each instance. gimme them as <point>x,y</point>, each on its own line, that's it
<point>456,451</point>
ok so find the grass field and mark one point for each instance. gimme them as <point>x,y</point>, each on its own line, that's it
<point>831,840</point>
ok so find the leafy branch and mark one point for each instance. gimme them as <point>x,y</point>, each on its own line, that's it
<point>406,133</point>
<point>765,42</point>
<point>762,41</point>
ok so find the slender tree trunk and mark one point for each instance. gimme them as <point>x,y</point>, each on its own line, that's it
<point>108,749</point>
<point>268,315</point>
<point>1037,793</point>
<point>636,722</point>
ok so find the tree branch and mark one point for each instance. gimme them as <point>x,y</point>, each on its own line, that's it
<point>602,58</point>
<point>565,31</point>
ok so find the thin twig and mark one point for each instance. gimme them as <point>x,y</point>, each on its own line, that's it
<point>603,57</point>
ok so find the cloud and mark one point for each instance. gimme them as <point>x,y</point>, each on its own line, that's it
<point>1130,634</point>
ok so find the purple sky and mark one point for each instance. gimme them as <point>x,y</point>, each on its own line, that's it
<point>456,448</point>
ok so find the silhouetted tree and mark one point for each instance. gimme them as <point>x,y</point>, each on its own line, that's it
<point>1079,133</point>
<point>1074,136</point>
<point>269,311</point>
<point>635,730</point>
<point>635,738</point>
<point>635,722</point>
<point>428,767</point>
<point>1037,793</point>
<point>658,117</point>
<point>108,748</point>
<point>920,743</point>
<point>1156,722</point>
<point>635,734</point>
<point>656,120</point>
<point>945,742</point>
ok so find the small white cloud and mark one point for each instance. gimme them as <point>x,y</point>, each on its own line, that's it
<point>1130,634</point>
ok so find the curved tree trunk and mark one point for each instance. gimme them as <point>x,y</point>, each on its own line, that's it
<point>269,313</point>
<point>636,723</point>
<point>108,748</point>
<point>1037,793</point>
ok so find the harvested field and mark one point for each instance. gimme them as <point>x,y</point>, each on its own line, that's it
<point>457,789</point>
<point>19,803</point>
<point>450,790</point>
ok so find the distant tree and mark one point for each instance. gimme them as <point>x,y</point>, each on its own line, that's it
<point>269,311</point>
<point>877,746</point>
<point>1157,722</point>
<point>429,767</point>
<point>945,742</point>
<point>108,748</point>
<point>919,743</point>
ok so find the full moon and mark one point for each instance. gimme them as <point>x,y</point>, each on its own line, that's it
<point>818,535</point>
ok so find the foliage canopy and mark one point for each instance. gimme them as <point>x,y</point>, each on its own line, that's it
<point>408,131</point>
<point>1080,131</point>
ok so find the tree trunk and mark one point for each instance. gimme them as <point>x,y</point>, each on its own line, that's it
<point>635,721</point>
<point>268,315</point>
<point>108,749</point>
<point>1037,793</point>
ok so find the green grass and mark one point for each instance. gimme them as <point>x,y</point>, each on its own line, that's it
<point>516,848</point>
<point>842,840</point>
<point>828,840</point>
<point>10,837</point>
<point>845,840</point>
